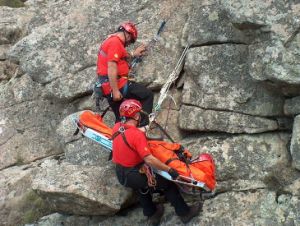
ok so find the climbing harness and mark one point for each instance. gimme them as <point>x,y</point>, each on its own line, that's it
<point>144,169</point>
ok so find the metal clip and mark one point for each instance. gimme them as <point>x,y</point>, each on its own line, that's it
<point>122,129</point>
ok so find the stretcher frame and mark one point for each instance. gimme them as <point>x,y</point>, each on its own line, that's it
<point>196,187</point>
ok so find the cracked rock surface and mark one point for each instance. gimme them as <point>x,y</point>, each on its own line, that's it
<point>236,97</point>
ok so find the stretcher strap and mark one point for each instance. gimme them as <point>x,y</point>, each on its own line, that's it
<point>170,160</point>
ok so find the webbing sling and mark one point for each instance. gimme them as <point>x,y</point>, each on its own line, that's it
<point>124,139</point>
<point>104,79</point>
<point>122,132</point>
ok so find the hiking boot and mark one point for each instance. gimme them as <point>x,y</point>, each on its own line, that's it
<point>154,220</point>
<point>194,211</point>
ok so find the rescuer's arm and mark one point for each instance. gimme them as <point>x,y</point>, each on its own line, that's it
<point>139,51</point>
<point>155,163</point>
<point>112,72</point>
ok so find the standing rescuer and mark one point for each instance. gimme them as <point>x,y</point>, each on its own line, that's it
<point>132,155</point>
<point>113,69</point>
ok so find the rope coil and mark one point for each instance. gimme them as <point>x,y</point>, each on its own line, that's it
<point>147,170</point>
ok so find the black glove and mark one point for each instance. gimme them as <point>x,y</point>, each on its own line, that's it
<point>173,173</point>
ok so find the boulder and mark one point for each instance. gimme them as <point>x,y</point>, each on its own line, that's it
<point>290,90</point>
<point>198,119</point>
<point>3,51</point>
<point>63,219</point>
<point>46,12</point>
<point>25,116</point>
<point>80,150</point>
<point>6,130</point>
<point>218,79</point>
<point>167,114</point>
<point>134,217</point>
<point>66,129</point>
<point>292,106</point>
<point>295,143</point>
<point>162,58</point>
<point>264,15</point>
<point>18,91</point>
<point>86,152</point>
<point>261,157</point>
<point>168,119</point>
<point>59,49</point>
<point>293,188</point>
<point>274,57</point>
<point>72,86</point>
<point>25,146</point>
<point>260,207</point>
<point>274,61</point>
<point>210,24</point>
<point>81,190</point>
<point>8,70</point>
<point>14,23</point>
<point>18,203</point>
<point>257,207</point>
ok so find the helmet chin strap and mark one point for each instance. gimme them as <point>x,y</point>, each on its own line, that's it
<point>127,43</point>
<point>138,120</point>
<point>123,120</point>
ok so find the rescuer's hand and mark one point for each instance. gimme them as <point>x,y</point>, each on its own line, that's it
<point>139,51</point>
<point>174,174</point>
<point>117,95</point>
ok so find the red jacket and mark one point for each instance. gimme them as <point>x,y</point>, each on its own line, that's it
<point>125,156</point>
<point>112,49</point>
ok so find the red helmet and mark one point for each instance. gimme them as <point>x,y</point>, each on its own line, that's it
<point>206,157</point>
<point>131,29</point>
<point>129,108</point>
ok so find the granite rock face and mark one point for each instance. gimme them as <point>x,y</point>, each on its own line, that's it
<point>275,55</point>
<point>81,190</point>
<point>295,142</point>
<point>236,98</point>
<point>291,106</point>
<point>254,157</point>
<point>246,208</point>
<point>18,201</point>
<point>218,79</point>
<point>198,119</point>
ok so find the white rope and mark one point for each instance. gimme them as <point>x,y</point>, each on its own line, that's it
<point>171,79</point>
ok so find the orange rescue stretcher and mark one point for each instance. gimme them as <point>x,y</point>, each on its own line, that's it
<point>195,173</point>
